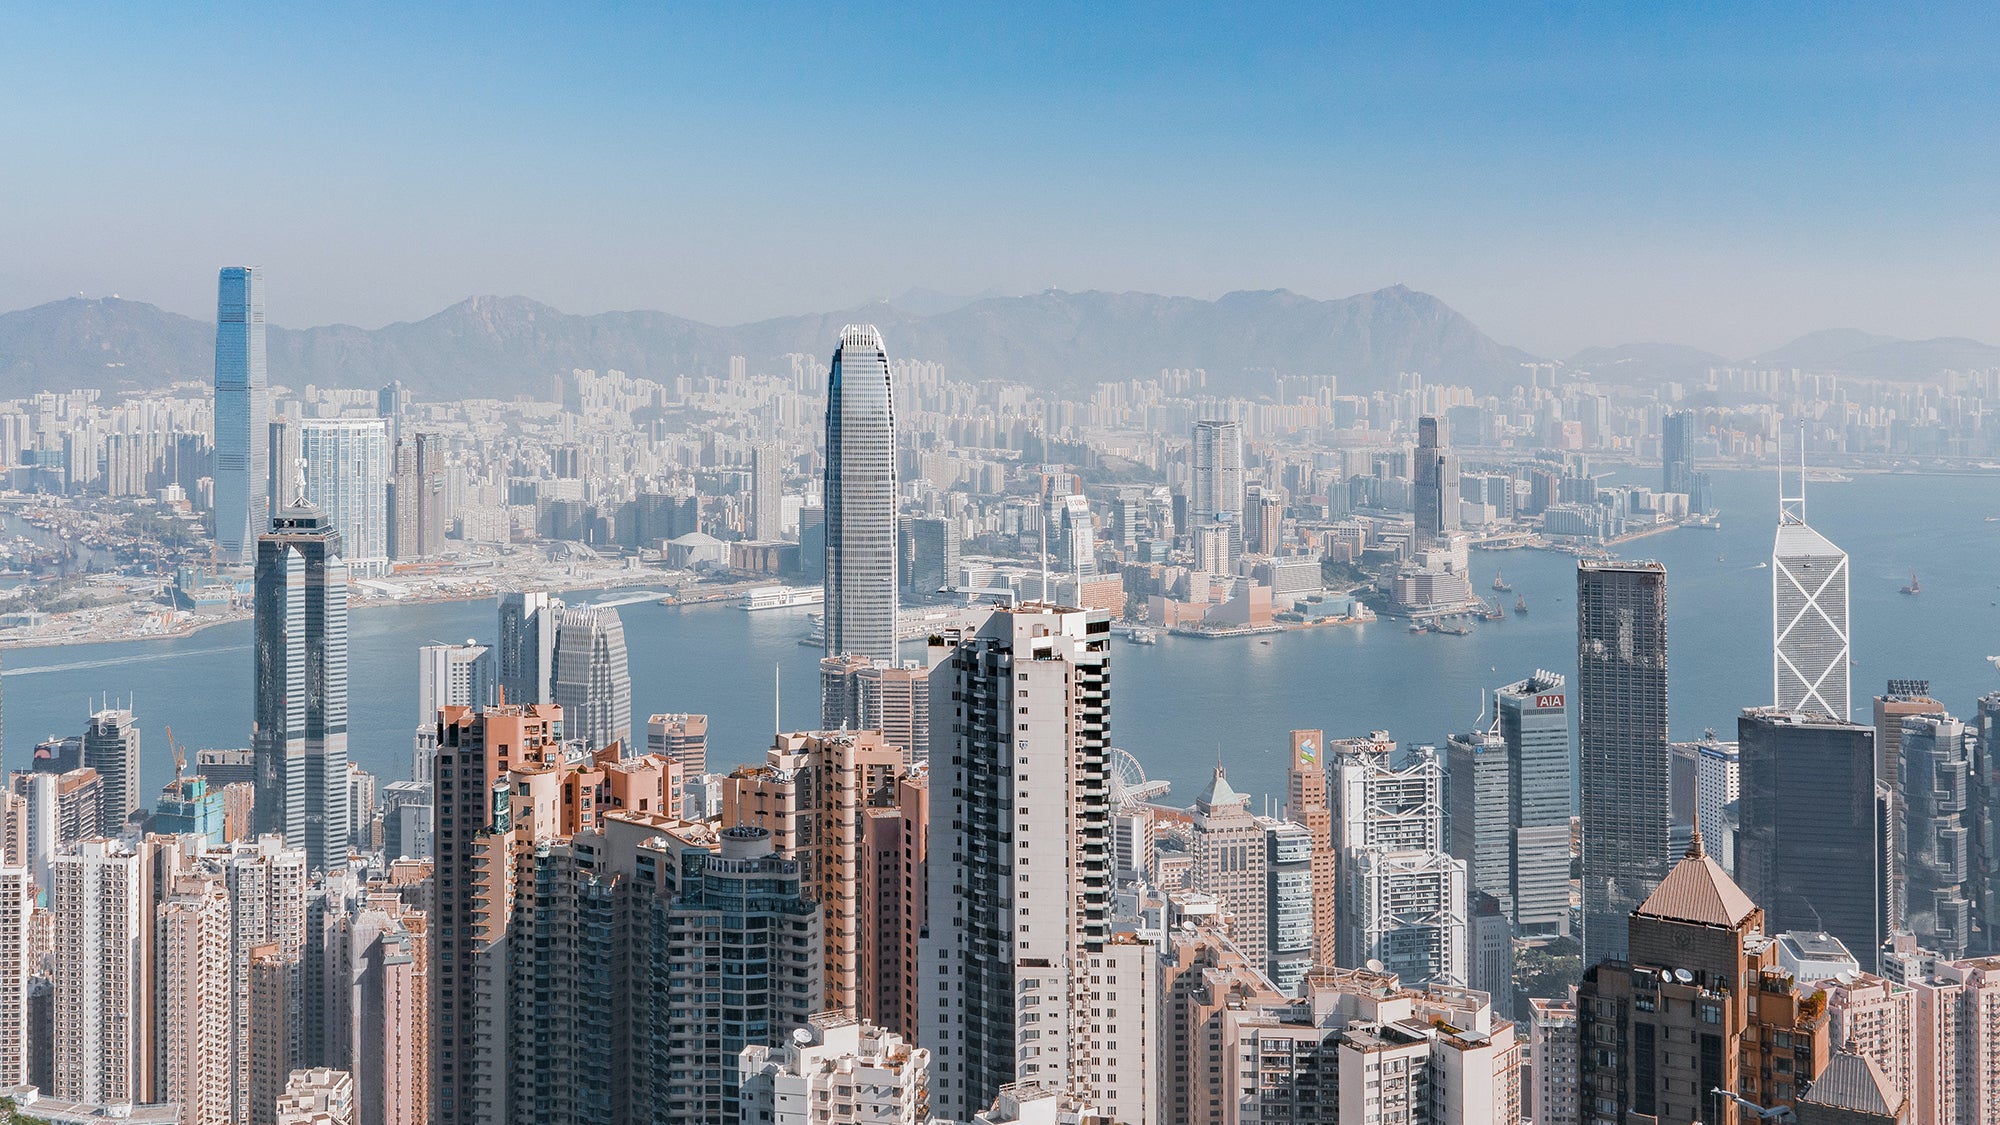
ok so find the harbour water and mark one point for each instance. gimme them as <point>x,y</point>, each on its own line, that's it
<point>1182,703</point>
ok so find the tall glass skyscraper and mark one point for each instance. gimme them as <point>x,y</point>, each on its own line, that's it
<point>242,415</point>
<point>860,499</point>
<point>1621,688</point>
<point>1215,487</point>
<point>346,464</point>
<point>300,711</point>
<point>1436,484</point>
<point>593,681</point>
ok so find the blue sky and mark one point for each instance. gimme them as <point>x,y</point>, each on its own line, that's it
<point>1724,176</point>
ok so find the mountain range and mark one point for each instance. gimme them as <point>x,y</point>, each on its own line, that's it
<point>507,346</point>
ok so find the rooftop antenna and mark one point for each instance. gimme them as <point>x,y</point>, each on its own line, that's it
<point>1792,509</point>
<point>1045,542</point>
<point>777,722</point>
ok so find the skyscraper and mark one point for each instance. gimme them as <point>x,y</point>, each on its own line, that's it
<point>861,540</point>
<point>593,681</point>
<point>1215,487</point>
<point>193,1027</point>
<point>1809,649</point>
<point>528,620</point>
<point>102,907</point>
<point>300,717</point>
<point>767,494</point>
<point>1938,878</point>
<point>1435,473</point>
<point>18,967</point>
<point>1806,843</point>
<point>1403,897</point>
<point>1534,723</point>
<point>464,675</point>
<point>1677,452</point>
<point>416,520</point>
<point>242,415</point>
<point>1306,803</point>
<point>812,794</point>
<point>346,473</point>
<point>111,747</point>
<point>1079,548</point>
<point>1621,659</point>
<point>1230,862</point>
<point>1020,852</point>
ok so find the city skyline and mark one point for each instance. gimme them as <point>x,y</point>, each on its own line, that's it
<point>1011,694</point>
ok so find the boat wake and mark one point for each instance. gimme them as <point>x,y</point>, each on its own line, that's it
<point>108,662</point>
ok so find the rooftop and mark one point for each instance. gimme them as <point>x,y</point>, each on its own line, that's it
<point>1698,890</point>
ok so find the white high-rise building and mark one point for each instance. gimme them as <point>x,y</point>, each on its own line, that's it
<point>103,977</point>
<point>1020,870</point>
<point>1809,641</point>
<point>1079,545</point>
<point>767,494</point>
<point>861,539</point>
<point>345,462</point>
<point>1402,895</point>
<point>466,675</point>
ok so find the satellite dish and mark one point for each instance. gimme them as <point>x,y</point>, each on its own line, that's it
<point>802,1036</point>
<point>1376,966</point>
<point>1683,976</point>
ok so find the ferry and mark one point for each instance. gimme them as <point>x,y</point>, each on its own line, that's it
<point>1141,635</point>
<point>783,597</point>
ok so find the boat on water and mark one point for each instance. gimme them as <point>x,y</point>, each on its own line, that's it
<point>782,597</point>
<point>1915,587</point>
<point>1141,635</point>
<point>1521,605</point>
<point>1500,584</point>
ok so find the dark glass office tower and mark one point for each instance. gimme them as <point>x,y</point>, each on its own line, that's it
<point>1621,693</point>
<point>861,571</point>
<point>1806,812</point>
<point>1677,452</point>
<point>300,710</point>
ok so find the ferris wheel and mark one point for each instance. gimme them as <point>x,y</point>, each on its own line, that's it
<point>1129,787</point>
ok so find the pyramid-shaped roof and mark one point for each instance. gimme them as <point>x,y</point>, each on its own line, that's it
<point>1698,890</point>
<point>1219,794</point>
<point>1855,1083</point>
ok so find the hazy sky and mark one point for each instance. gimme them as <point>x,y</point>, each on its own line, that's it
<point>1564,176</point>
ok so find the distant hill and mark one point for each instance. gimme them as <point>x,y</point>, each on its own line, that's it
<point>102,344</point>
<point>1819,349</point>
<point>487,346</point>
<point>1646,363</point>
<point>1848,352</point>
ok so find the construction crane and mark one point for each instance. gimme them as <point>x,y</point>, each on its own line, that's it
<point>180,756</point>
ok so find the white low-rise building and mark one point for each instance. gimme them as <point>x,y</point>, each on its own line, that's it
<point>836,1071</point>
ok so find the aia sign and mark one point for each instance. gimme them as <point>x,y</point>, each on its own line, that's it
<point>1545,701</point>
